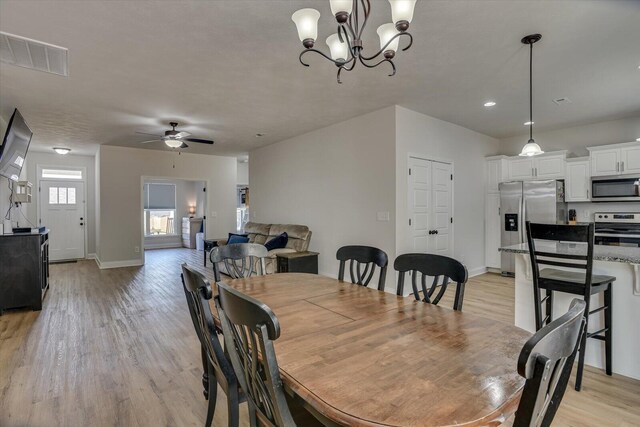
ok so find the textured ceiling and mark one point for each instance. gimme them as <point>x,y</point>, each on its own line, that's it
<point>227,70</point>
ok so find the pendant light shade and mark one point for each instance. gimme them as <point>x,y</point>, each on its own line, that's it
<point>339,50</point>
<point>386,32</point>
<point>402,10</point>
<point>531,148</point>
<point>338,6</point>
<point>306,21</point>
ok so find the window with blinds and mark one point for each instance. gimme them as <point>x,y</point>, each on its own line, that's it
<point>159,209</point>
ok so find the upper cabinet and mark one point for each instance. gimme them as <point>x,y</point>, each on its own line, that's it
<point>577,180</point>
<point>496,172</point>
<point>547,166</point>
<point>615,159</point>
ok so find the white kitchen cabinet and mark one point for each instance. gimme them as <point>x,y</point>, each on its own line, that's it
<point>578,180</point>
<point>547,166</point>
<point>496,172</point>
<point>492,230</point>
<point>615,159</point>
<point>520,168</point>
<point>630,159</point>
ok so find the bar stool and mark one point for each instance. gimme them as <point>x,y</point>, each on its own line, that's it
<point>577,278</point>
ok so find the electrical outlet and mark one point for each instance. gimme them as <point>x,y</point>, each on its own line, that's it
<point>585,215</point>
<point>136,249</point>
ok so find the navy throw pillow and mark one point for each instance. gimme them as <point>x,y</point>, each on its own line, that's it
<point>237,238</point>
<point>277,242</point>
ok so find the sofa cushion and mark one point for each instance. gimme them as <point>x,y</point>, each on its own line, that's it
<point>299,235</point>
<point>280,241</point>
<point>258,233</point>
<point>237,238</point>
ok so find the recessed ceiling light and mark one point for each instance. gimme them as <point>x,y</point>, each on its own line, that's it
<point>61,150</point>
<point>489,104</point>
<point>529,123</point>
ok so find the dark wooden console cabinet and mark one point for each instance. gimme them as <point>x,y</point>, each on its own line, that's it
<point>297,262</point>
<point>24,270</point>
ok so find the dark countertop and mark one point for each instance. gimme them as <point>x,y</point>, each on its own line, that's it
<point>623,254</point>
<point>33,233</point>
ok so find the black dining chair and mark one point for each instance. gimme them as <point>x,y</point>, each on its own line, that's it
<point>359,256</point>
<point>545,362</point>
<point>436,266</point>
<point>577,278</point>
<point>250,328</point>
<point>217,368</point>
<point>239,259</point>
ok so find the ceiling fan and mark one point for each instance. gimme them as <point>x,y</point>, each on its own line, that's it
<point>175,139</point>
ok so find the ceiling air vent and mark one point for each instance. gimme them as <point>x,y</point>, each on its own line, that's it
<point>33,54</point>
<point>562,101</point>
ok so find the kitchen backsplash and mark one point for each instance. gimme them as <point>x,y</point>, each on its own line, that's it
<point>585,211</point>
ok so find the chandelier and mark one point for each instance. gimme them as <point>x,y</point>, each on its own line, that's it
<point>345,46</point>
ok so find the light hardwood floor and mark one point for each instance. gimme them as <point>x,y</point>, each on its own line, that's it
<point>117,347</point>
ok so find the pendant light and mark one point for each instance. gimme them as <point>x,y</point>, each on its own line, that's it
<point>531,148</point>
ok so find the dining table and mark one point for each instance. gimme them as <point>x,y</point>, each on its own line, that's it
<point>356,356</point>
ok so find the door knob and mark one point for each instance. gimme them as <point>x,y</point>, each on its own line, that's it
<point>435,231</point>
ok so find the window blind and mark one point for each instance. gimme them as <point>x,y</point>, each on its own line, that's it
<point>159,196</point>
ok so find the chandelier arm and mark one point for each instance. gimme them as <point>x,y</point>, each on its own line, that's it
<point>393,66</point>
<point>319,53</point>
<point>348,43</point>
<point>366,7</point>
<point>387,45</point>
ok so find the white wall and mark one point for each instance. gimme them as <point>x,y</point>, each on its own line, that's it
<point>35,159</point>
<point>243,173</point>
<point>120,218</point>
<point>439,140</point>
<point>333,180</point>
<point>4,182</point>
<point>577,138</point>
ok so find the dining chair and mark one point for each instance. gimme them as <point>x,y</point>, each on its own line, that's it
<point>545,362</point>
<point>576,278</point>
<point>436,266</point>
<point>216,366</point>
<point>366,256</point>
<point>249,329</point>
<point>240,260</point>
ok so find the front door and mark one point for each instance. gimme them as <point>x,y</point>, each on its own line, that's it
<point>62,208</point>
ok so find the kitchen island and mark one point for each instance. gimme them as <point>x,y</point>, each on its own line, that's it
<point>618,261</point>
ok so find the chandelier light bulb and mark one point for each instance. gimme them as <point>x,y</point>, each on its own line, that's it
<point>386,33</point>
<point>339,50</point>
<point>306,21</point>
<point>402,10</point>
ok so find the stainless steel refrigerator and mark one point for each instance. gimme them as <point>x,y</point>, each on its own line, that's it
<point>521,201</point>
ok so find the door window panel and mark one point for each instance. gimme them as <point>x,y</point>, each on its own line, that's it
<point>53,195</point>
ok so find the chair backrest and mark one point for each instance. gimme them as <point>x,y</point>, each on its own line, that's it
<point>250,328</point>
<point>359,256</point>
<point>240,260</point>
<point>572,261</point>
<point>545,362</point>
<point>435,266</point>
<point>197,290</point>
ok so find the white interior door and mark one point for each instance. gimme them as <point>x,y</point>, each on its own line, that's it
<point>420,203</point>
<point>430,206</point>
<point>441,240</point>
<point>62,212</point>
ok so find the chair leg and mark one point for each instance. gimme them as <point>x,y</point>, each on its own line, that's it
<point>233,408</point>
<point>583,346</point>
<point>253,419</point>
<point>549,306</point>
<point>211,408</point>
<point>205,373</point>
<point>608,335</point>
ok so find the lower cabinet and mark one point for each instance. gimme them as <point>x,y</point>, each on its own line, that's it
<point>492,230</point>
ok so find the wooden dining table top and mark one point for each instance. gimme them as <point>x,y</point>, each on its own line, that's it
<point>361,357</point>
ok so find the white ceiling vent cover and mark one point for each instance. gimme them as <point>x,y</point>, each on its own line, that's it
<point>562,101</point>
<point>33,54</point>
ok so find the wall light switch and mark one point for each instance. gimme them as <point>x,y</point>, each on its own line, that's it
<point>383,216</point>
<point>214,214</point>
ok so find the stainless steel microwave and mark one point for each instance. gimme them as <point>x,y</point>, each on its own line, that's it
<point>615,189</point>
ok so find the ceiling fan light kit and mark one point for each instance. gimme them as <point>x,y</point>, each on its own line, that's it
<point>345,46</point>
<point>174,139</point>
<point>531,148</point>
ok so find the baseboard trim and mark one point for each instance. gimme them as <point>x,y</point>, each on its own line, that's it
<point>118,264</point>
<point>167,245</point>
<point>477,271</point>
<point>91,256</point>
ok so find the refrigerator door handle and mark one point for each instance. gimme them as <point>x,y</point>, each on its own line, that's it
<point>523,234</point>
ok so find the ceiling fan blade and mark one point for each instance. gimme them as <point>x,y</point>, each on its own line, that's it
<point>151,140</point>
<point>151,134</point>
<point>182,134</point>
<point>184,145</point>
<point>201,141</point>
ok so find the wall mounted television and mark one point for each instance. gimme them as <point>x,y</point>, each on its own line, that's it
<point>14,146</point>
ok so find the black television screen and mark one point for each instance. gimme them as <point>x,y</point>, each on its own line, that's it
<point>14,146</point>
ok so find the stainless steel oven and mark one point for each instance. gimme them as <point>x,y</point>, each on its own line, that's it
<point>615,189</point>
<point>617,229</point>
